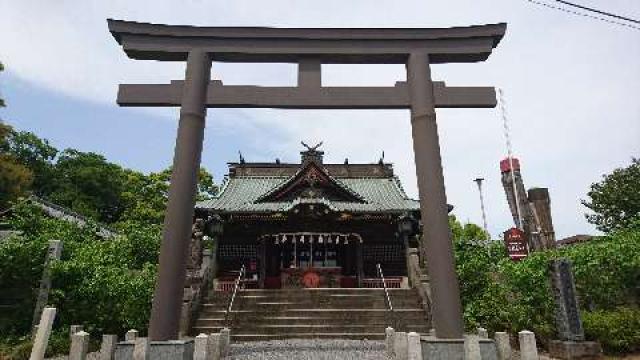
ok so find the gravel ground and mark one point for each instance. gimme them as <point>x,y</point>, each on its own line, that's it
<point>309,350</point>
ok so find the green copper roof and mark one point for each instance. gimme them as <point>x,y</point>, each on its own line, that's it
<point>239,195</point>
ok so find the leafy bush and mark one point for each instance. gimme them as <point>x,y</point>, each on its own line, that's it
<point>618,331</point>
<point>104,284</point>
<point>502,295</point>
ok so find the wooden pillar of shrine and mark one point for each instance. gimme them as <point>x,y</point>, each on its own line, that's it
<point>262,262</point>
<point>359,263</point>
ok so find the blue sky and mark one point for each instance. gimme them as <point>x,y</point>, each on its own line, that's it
<point>571,86</point>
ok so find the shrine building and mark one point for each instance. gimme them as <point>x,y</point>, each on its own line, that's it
<point>311,224</point>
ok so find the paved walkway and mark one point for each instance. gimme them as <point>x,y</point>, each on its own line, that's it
<point>309,350</point>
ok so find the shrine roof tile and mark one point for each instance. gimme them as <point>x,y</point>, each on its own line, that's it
<point>239,195</point>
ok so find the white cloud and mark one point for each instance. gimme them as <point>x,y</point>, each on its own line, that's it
<point>571,83</point>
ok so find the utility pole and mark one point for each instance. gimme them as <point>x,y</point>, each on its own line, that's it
<point>484,214</point>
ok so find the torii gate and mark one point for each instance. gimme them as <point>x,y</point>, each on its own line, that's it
<point>309,48</point>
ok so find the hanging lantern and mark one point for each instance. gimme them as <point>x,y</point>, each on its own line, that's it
<point>301,239</point>
<point>284,238</point>
<point>320,239</point>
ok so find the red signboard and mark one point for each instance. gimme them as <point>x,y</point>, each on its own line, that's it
<point>516,243</point>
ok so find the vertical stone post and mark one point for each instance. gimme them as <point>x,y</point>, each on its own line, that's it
<point>389,335</point>
<point>414,348</point>
<point>73,329</point>
<point>528,347</point>
<point>42,335</point>
<point>167,299</point>
<point>131,335</point>
<point>436,243</point>
<point>472,347</point>
<point>201,347</point>
<point>213,347</point>
<point>567,312</point>
<point>141,349</point>
<point>503,345</point>
<point>400,345</point>
<point>79,346</point>
<point>225,342</point>
<point>108,347</point>
<point>53,253</point>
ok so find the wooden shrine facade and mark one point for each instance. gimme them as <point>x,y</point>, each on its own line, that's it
<point>311,224</point>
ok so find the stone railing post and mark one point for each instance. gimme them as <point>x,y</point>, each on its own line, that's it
<point>528,347</point>
<point>472,347</point>
<point>79,346</point>
<point>225,342</point>
<point>503,345</point>
<point>214,349</point>
<point>414,348</point>
<point>389,334</point>
<point>42,335</point>
<point>108,347</point>
<point>141,349</point>
<point>400,345</point>
<point>73,329</point>
<point>131,335</point>
<point>201,347</point>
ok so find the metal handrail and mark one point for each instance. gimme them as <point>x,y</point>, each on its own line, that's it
<point>233,294</point>
<point>387,297</point>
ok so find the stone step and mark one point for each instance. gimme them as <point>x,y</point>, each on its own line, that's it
<point>309,331</point>
<point>312,313</point>
<point>289,321</point>
<point>349,312</point>
<point>266,337</point>
<point>335,303</point>
<point>292,318</point>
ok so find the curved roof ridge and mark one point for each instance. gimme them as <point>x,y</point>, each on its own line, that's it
<point>301,170</point>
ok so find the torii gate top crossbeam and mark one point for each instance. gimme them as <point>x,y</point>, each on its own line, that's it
<point>145,41</point>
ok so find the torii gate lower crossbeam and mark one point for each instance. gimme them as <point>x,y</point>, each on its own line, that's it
<point>416,48</point>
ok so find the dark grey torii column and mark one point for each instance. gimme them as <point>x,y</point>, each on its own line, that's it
<point>437,244</point>
<point>167,303</point>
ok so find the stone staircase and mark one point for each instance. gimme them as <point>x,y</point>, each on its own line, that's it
<point>312,313</point>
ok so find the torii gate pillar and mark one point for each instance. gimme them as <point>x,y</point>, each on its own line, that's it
<point>167,303</point>
<point>436,238</point>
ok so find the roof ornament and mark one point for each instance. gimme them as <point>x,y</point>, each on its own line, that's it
<point>381,161</point>
<point>241,157</point>
<point>312,148</point>
<point>312,154</point>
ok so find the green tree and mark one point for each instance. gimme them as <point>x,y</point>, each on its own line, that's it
<point>15,178</point>
<point>615,201</point>
<point>89,184</point>
<point>146,195</point>
<point>34,153</point>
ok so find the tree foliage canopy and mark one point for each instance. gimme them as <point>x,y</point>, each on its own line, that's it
<point>615,201</point>
<point>15,178</point>
<point>84,182</point>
